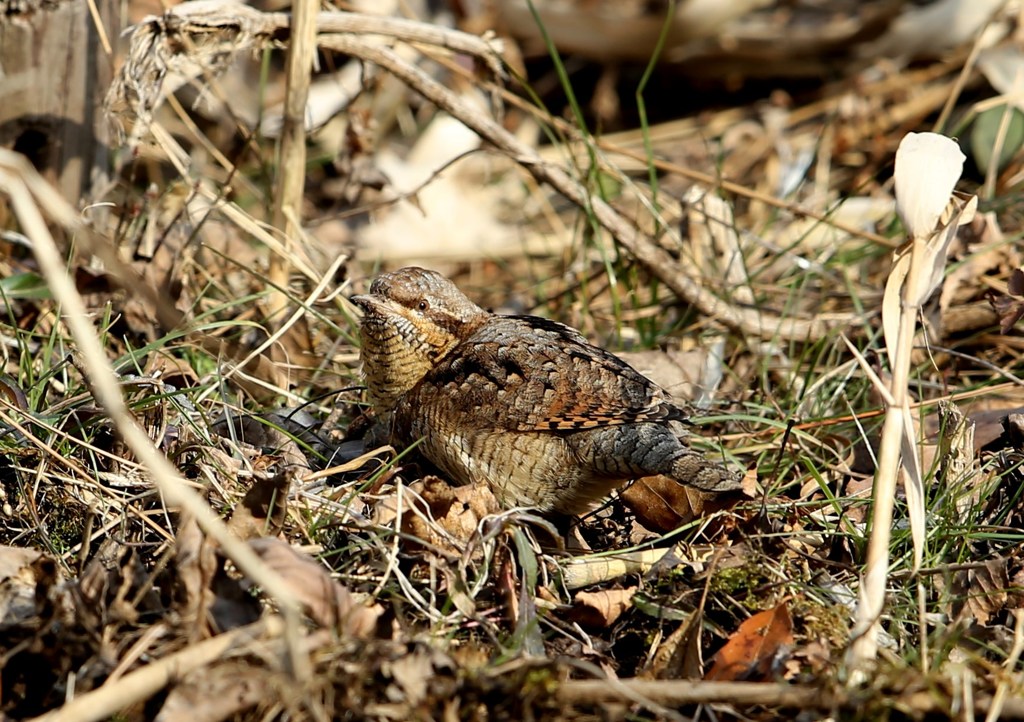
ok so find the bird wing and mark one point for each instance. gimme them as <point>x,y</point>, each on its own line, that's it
<point>523,373</point>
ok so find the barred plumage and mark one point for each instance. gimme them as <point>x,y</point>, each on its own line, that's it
<point>521,403</point>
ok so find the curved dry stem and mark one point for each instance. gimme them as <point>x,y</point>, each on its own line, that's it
<point>658,261</point>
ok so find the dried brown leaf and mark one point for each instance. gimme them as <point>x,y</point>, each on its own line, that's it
<point>751,651</point>
<point>327,602</point>
<point>506,584</point>
<point>12,393</point>
<point>115,584</point>
<point>1015,284</point>
<point>413,676</point>
<point>680,655</point>
<point>16,562</point>
<point>215,693</point>
<point>441,515</point>
<point>661,504</point>
<point>263,509</point>
<point>1010,307</point>
<point>1009,310</point>
<point>987,590</point>
<point>599,610</point>
<point>1015,598</point>
<point>411,673</point>
<point>196,561</point>
<point>814,657</point>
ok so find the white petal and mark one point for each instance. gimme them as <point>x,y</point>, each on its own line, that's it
<point>928,165</point>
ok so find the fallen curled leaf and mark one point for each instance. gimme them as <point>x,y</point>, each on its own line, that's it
<point>1010,307</point>
<point>262,510</point>
<point>441,515</point>
<point>1015,285</point>
<point>814,657</point>
<point>751,651</point>
<point>12,393</point>
<point>661,504</point>
<point>329,604</point>
<point>679,655</point>
<point>195,557</point>
<point>116,585</point>
<point>411,674</point>
<point>598,610</point>
<point>507,583</point>
<point>985,589</point>
<point>171,370</point>
<point>1009,310</point>
<point>458,509</point>
<point>1015,597</point>
<point>216,692</point>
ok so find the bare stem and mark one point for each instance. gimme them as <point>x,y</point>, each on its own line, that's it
<point>876,568</point>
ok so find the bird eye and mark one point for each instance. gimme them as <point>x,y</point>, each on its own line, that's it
<point>423,305</point>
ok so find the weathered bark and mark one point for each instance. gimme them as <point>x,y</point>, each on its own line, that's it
<point>54,72</point>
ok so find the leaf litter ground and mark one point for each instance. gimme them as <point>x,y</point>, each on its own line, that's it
<point>424,601</point>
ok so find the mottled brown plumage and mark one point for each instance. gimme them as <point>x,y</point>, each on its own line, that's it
<point>520,403</point>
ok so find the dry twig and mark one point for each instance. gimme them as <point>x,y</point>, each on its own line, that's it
<point>658,261</point>
<point>234,28</point>
<point>291,167</point>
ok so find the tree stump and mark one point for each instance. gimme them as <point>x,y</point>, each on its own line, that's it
<point>54,72</point>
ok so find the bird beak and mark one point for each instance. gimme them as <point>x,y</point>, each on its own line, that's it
<point>363,302</point>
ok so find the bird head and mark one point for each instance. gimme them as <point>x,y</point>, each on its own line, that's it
<point>412,318</point>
